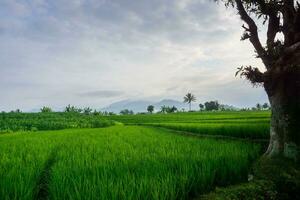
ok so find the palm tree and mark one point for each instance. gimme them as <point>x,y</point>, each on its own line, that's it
<point>189,98</point>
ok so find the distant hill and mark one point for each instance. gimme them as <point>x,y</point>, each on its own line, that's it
<point>135,106</point>
<point>141,105</point>
<point>170,102</point>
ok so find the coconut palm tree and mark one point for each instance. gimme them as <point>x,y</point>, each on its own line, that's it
<point>189,98</point>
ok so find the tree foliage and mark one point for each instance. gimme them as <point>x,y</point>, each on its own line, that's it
<point>201,106</point>
<point>211,105</point>
<point>168,109</point>
<point>150,108</point>
<point>189,98</point>
<point>265,106</point>
<point>87,110</point>
<point>126,112</point>
<point>46,109</point>
<point>72,109</point>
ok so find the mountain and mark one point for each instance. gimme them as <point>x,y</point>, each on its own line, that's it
<point>135,106</point>
<point>170,102</point>
<point>141,105</point>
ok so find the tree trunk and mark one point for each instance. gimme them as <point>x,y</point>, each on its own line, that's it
<point>283,89</point>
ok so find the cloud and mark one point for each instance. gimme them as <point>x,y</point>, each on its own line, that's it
<point>112,49</point>
<point>102,94</point>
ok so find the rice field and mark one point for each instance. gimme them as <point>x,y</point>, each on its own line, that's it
<point>118,162</point>
<point>240,124</point>
<point>12,122</point>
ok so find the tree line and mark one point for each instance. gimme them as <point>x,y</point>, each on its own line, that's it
<point>188,98</point>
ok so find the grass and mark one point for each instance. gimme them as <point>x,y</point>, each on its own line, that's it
<point>257,131</point>
<point>241,124</point>
<point>120,162</point>
<point>194,117</point>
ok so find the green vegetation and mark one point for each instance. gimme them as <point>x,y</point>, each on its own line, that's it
<point>212,105</point>
<point>46,109</point>
<point>242,124</point>
<point>119,162</point>
<point>126,112</point>
<point>49,121</point>
<point>129,162</point>
<point>168,109</point>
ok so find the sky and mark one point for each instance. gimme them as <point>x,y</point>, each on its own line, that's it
<point>95,52</point>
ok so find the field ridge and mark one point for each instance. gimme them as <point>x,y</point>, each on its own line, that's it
<point>223,137</point>
<point>42,185</point>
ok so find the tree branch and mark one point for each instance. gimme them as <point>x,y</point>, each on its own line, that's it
<point>252,28</point>
<point>273,29</point>
<point>288,21</point>
<point>291,53</point>
<point>273,26</point>
<point>297,23</point>
<point>270,10</point>
<point>293,48</point>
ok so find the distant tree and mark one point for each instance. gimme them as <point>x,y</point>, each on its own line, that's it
<point>16,111</point>
<point>173,109</point>
<point>201,106</point>
<point>211,105</point>
<point>111,113</point>
<point>69,108</point>
<point>265,106</point>
<point>46,109</point>
<point>126,112</point>
<point>73,109</point>
<point>163,109</point>
<point>141,113</point>
<point>189,98</point>
<point>150,108</point>
<point>170,109</point>
<point>222,107</point>
<point>95,112</point>
<point>87,110</point>
<point>258,106</point>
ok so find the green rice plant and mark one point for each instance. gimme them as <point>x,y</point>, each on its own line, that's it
<point>50,121</point>
<point>22,157</point>
<point>195,117</point>
<point>119,162</point>
<point>241,124</point>
<point>251,131</point>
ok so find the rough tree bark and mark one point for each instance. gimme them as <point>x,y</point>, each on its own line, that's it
<point>283,90</point>
<point>281,79</point>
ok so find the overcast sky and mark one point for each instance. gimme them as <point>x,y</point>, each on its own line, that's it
<point>94,52</point>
